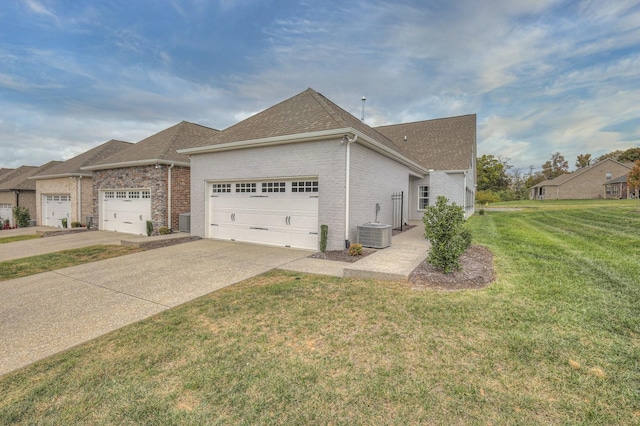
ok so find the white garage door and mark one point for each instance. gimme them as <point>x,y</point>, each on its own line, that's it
<point>125,210</point>
<point>282,213</point>
<point>54,209</point>
<point>6,212</point>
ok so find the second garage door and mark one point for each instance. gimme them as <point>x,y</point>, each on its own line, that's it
<point>54,209</point>
<point>280,213</point>
<point>125,211</point>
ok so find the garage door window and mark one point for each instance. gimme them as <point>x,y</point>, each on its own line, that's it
<point>146,194</point>
<point>305,186</point>
<point>109,194</point>
<point>221,187</point>
<point>121,194</point>
<point>245,187</point>
<point>134,194</point>
<point>273,187</point>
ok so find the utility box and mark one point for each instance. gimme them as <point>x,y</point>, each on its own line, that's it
<point>184,222</point>
<point>374,235</point>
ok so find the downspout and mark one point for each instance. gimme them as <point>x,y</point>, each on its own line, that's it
<point>464,195</point>
<point>169,196</point>
<point>79,198</point>
<point>347,174</point>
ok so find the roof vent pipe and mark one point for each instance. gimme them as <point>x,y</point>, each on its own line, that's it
<point>363,102</point>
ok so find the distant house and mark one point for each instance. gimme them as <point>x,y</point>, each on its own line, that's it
<point>585,183</point>
<point>279,175</point>
<point>16,189</point>
<point>148,180</point>
<point>618,188</point>
<point>65,191</point>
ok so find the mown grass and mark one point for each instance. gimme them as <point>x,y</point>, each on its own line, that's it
<point>565,204</point>
<point>17,268</point>
<point>554,341</point>
<point>4,240</point>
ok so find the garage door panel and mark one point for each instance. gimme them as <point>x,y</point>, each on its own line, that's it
<point>128,213</point>
<point>54,209</point>
<point>274,218</point>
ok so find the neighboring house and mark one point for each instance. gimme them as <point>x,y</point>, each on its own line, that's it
<point>147,181</point>
<point>585,183</point>
<point>65,191</point>
<point>275,177</point>
<point>619,189</point>
<point>16,189</point>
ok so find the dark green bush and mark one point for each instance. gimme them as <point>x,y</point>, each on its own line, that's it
<point>443,228</point>
<point>164,230</point>
<point>76,225</point>
<point>324,233</point>
<point>149,228</point>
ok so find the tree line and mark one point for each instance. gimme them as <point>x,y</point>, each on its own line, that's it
<point>500,181</point>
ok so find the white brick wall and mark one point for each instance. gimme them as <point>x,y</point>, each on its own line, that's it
<point>451,185</point>
<point>374,178</point>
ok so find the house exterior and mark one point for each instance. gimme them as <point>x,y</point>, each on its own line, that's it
<point>146,181</point>
<point>65,191</point>
<point>618,188</point>
<point>584,183</point>
<point>16,189</point>
<point>279,175</point>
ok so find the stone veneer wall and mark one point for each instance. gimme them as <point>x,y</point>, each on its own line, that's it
<point>139,177</point>
<point>180,194</point>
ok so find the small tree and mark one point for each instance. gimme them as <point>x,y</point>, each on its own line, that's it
<point>443,228</point>
<point>633,180</point>
<point>583,160</point>
<point>22,216</point>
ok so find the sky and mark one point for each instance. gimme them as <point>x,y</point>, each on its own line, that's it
<point>543,76</point>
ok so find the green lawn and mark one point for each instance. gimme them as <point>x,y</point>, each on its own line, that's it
<point>556,340</point>
<point>4,240</point>
<point>17,268</point>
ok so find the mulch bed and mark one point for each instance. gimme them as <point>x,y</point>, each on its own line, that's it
<point>342,255</point>
<point>476,272</point>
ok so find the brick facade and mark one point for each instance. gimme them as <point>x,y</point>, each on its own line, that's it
<point>180,194</point>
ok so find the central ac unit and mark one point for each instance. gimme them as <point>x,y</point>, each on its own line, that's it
<point>374,235</point>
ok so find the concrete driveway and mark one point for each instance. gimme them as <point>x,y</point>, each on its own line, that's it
<point>20,249</point>
<point>43,314</point>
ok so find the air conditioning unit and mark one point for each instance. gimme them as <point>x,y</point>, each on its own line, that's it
<point>184,222</point>
<point>374,235</point>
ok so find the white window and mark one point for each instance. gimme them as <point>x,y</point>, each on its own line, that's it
<point>245,187</point>
<point>121,194</point>
<point>221,187</point>
<point>5,206</point>
<point>65,198</point>
<point>608,175</point>
<point>306,186</point>
<point>146,194</point>
<point>109,194</point>
<point>273,187</point>
<point>423,197</point>
<point>134,194</point>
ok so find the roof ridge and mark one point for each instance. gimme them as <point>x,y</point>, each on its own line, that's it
<point>329,107</point>
<point>424,121</point>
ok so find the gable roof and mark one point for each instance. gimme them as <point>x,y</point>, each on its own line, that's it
<point>568,176</point>
<point>19,178</point>
<point>621,179</point>
<point>440,144</point>
<point>4,171</point>
<point>72,166</point>
<point>305,116</point>
<point>306,112</point>
<point>160,148</point>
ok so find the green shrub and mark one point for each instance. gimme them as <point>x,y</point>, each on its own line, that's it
<point>486,197</point>
<point>76,225</point>
<point>355,249</point>
<point>22,216</point>
<point>324,233</point>
<point>149,228</point>
<point>64,222</point>
<point>164,230</point>
<point>481,212</point>
<point>443,228</point>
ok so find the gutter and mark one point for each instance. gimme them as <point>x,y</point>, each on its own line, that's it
<point>135,163</point>
<point>61,175</point>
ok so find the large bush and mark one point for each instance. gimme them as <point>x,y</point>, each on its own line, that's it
<point>486,197</point>
<point>443,228</point>
<point>22,216</point>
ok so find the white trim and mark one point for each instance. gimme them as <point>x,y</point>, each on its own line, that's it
<point>134,164</point>
<point>61,175</point>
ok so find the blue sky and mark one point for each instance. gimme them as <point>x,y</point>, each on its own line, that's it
<point>541,75</point>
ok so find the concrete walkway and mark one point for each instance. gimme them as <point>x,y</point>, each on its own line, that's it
<point>43,314</point>
<point>393,263</point>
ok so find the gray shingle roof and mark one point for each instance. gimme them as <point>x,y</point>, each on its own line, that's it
<point>19,178</point>
<point>440,144</point>
<point>305,112</point>
<point>72,166</point>
<point>162,145</point>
